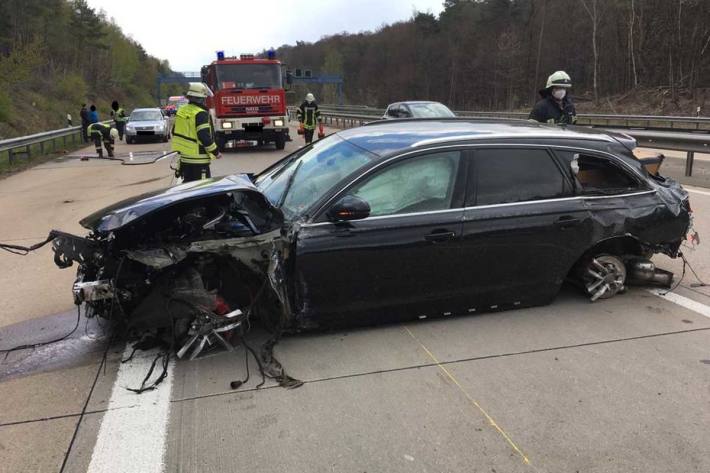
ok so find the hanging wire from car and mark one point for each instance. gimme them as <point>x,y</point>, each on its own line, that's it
<point>686,264</point>
<point>25,250</point>
<point>32,346</point>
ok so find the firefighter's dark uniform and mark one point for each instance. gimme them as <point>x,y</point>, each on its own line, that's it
<point>101,133</point>
<point>549,110</point>
<point>309,115</point>
<point>193,138</point>
<point>119,116</point>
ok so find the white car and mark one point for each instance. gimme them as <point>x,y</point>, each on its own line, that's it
<point>147,123</point>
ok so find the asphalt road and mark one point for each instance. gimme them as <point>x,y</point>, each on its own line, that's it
<point>621,385</point>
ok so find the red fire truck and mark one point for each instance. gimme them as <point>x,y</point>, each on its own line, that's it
<point>249,101</point>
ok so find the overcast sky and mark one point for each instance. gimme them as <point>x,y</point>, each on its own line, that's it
<point>188,32</point>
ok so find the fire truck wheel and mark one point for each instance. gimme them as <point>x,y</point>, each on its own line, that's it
<point>280,141</point>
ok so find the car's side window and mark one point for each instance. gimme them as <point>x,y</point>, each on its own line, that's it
<point>598,175</point>
<point>510,175</point>
<point>419,184</point>
<point>393,111</point>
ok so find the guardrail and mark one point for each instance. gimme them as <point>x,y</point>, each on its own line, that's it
<point>647,122</point>
<point>22,146</point>
<point>689,142</point>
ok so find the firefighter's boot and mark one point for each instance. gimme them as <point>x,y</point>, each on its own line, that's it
<point>109,149</point>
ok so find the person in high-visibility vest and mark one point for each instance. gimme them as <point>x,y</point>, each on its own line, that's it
<point>193,135</point>
<point>119,117</point>
<point>100,132</point>
<point>308,114</point>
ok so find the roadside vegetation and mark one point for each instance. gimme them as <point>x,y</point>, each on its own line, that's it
<point>56,55</point>
<point>645,56</point>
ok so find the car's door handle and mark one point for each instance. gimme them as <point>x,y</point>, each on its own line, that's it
<point>440,235</point>
<point>567,221</point>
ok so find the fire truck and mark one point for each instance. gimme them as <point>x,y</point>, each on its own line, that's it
<point>249,101</point>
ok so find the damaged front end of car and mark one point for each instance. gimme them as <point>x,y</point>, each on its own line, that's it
<point>187,264</point>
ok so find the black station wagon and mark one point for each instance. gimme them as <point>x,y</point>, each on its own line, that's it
<point>390,221</point>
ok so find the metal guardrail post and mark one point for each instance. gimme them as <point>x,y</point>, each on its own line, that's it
<point>689,163</point>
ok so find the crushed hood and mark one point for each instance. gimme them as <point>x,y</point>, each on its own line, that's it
<point>136,208</point>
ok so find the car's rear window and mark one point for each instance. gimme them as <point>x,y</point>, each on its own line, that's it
<point>516,175</point>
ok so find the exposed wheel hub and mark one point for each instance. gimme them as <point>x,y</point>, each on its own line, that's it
<point>605,277</point>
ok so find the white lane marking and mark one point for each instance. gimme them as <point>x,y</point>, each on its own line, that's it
<point>132,436</point>
<point>695,191</point>
<point>683,301</point>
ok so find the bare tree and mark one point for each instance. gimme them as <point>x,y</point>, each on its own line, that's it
<point>632,54</point>
<point>593,12</point>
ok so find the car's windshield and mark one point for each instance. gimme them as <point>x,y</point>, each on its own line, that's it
<point>248,76</point>
<point>306,177</point>
<point>430,110</point>
<point>146,116</point>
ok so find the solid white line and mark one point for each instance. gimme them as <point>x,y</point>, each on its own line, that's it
<point>132,436</point>
<point>695,191</point>
<point>695,306</point>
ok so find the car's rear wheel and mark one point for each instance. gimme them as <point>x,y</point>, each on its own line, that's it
<point>129,140</point>
<point>604,276</point>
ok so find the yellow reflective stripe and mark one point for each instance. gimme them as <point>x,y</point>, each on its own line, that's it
<point>211,147</point>
<point>202,127</point>
<point>194,160</point>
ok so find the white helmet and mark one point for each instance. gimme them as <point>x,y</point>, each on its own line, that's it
<point>559,79</point>
<point>199,90</point>
<point>113,133</point>
<point>310,98</point>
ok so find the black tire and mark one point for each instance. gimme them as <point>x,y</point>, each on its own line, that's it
<point>280,141</point>
<point>165,138</point>
<point>129,140</point>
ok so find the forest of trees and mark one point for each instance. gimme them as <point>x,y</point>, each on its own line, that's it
<point>496,54</point>
<point>56,54</point>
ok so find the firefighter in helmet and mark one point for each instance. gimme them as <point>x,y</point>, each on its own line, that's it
<point>308,115</point>
<point>556,106</point>
<point>100,132</point>
<point>193,135</point>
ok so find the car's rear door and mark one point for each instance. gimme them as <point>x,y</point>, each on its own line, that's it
<point>399,262</point>
<point>522,228</point>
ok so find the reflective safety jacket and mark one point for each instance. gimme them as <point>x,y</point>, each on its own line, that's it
<point>308,114</point>
<point>549,110</point>
<point>193,136</point>
<point>119,115</point>
<point>99,129</point>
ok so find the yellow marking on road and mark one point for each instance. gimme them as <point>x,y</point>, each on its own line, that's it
<point>471,399</point>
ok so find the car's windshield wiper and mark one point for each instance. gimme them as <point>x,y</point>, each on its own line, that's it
<point>289,184</point>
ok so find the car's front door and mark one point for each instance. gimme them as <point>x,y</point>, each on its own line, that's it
<point>398,262</point>
<point>523,227</point>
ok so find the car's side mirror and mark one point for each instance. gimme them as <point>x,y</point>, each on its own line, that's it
<point>350,207</point>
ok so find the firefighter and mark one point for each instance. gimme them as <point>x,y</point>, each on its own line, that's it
<point>308,115</point>
<point>193,136</point>
<point>556,106</point>
<point>107,134</point>
<point>119,117</point>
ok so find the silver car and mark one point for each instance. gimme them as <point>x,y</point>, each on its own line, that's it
<point>417,109</point>
<point>147,123</point>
